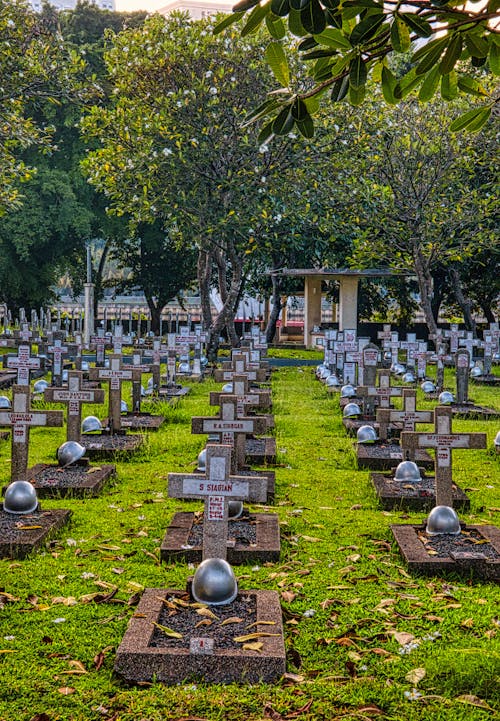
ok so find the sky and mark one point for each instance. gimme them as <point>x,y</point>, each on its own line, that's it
<point>131,5</point>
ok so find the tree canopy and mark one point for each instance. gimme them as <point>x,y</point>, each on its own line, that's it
<point>344,45</point>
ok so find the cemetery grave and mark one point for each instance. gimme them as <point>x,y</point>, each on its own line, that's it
<point>112,438</point>
<point>387,452</point>
<point>338,567</point>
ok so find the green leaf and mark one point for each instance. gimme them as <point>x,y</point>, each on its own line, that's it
<point>280,7</point>
<point>339,89</point>
<point>357,72</point>
<point>295,24</point>
<point>264,109</point>
<point>275,56</point>
<point>417,24</point>
<point>477,45</point>
<point>299,110</point>
<point>357,95</point>
<point>244,5</point>
<point>431,57</point>
<point>228,20</point>
<point>283,122</point>
<point>388,86</point>
<point>333,38</point>
<point>406,84</point>
<point>471,87</point>
<point>255,18</point>
<point>313,18</point>
<point>452,54</point>
<point>400,35</point>
<point>276,27</point>
<point>495,59</point>
<point>366,29</point>
<point>449,86</point>
<point>429,86</point>
<point>472,121</point>
<point>323,53</point>
<point>306,127</point>
<point>265,134</point>
<point>299,4</point>
<point>307,44</point>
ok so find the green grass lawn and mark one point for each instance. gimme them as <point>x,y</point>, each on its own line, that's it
<point>364,639</point>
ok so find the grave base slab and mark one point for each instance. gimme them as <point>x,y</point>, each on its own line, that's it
<point>384,456</point>
<point>266,548</point>
<point>52,481</point>
<point>489,380</point>
<point>472,563</point>
<point>20,535</point>
<point>137,661</point>
<point>173,391</point>
<point>419,497</point>
<point>105,446</point>
<point>139,421</point>
<point>470,410</point>
<point>260,451</point>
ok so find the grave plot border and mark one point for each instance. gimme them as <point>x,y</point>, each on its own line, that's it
<point>389,461</point>
<point>267,548</point>
<point>32,539</point>
<point>418,561</point>
<point>473,412</point>
<point>263,453</point>
<point>389,499</point>
<point>137,662</point>
<point>139,421</point>
<point>94,449</point>
<point>91,487</point>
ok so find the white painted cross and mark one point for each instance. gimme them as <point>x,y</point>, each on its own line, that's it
<point>74,396</point>
<point>381,393</point>
<point>57,351</point>
<point>443,440</point>
<point>21,418</point>
<point>408,416</point>
<point>24,363</point>
<point>115,375</point>
<point>217,487</point>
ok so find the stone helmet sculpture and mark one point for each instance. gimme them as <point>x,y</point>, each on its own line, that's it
<point>407,471</point>
<point>446,398</point>
<point>214,582</point>
<point>20,498</point>
<point>70,452</point>
<point>366,434</point>
<point>351,410</point>
<point>91,424</point>
<point>347,391</point>
<point>442,520</point>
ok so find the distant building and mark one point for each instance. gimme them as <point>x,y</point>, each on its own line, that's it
<point>71,4</point>
<point>198,9</point>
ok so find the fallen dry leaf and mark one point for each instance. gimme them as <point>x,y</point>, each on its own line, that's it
<point>288,596</point>
<point>262,623</point>
<point>167,631</point>
<point>66,690</point>
<point>254,646</point>
<point>203,622</point>
<point>251,636</point>
<point>402,637</point>
<point>473,701</point>
<point>233,619</point>
<point>415,675</point>
<point>205,611</point>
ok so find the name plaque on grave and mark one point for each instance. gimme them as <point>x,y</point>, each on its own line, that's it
<point>208,487</point>
<point>215,508</point>
<point>216,425</point>
<point>201,646</point>
<point>462,360</point>
<point>370,357</point>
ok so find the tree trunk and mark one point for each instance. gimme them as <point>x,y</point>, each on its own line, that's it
<point>424,280</point>
<point>488,313</point>
<point>204,271</point>
<point>276,307</point>
<point>226,314</point>
<point>98,278</point>
<point>463,301</point>
<point>155,309</point>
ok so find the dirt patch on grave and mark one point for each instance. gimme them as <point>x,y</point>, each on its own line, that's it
<point>419,496</point>
<point>260,450</point>
<point>20,535</point>
<point>443,546</point>
<point>221,623</point>
<point>470,410</point>
<point>102,445</point>
<point>75,480</point>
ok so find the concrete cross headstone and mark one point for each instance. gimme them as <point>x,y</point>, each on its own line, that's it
<point>24,363</point>
<point>114,375</point>
<point>444,441</point>
<point>421,356</point>
<point>137,381</point>
<point>408,416</point>
<point>233,428</point>
<point>246,398</point>
<point>454,334</point>
<point>21,418</point>
<point>99,342</point>
<point>380,394</point>
<point>410,345</point>
<point>56,352</point>
<point>74,396</point>
<point>217,487</point>
<point>440,356</point>
<point>462,363</point>
<point>239,366</point>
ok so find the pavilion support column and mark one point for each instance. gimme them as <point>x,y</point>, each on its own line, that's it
<point>348,302</point>
<point>312,306</point>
